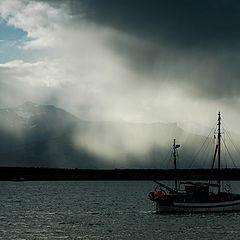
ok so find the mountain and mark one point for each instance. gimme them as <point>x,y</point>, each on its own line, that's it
<point>45,136</point>
<point>36,135</point>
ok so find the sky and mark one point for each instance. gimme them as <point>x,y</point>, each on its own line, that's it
<point>135,61</point>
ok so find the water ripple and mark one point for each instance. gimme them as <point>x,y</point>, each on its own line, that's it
<point>100,210</point>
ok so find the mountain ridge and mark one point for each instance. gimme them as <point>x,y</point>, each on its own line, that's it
<point>33,135</point>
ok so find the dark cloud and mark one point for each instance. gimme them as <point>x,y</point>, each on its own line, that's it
<point>183,23</point>
<point>192,44</point>
<point>195,43</point>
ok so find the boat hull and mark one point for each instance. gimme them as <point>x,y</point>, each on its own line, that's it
<point>225,206</point>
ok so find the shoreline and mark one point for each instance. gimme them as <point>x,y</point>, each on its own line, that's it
<point>60,174</point>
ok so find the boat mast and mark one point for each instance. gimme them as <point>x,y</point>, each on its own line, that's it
<point>219,150</point>
<point>175,163</point>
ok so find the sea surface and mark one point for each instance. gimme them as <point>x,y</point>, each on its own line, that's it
<point>101,210</point>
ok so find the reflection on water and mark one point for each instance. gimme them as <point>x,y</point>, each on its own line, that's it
<point>101,210</point>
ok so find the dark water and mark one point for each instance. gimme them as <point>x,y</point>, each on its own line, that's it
<point>100,210</point>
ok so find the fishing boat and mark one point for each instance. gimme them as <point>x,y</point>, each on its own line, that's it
<point>196,196</point>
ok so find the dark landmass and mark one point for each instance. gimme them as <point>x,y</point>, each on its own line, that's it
<point>54,174</point>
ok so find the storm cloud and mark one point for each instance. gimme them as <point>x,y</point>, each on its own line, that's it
<point>133,60</point>
<point>181,23</point>
<point>124,61</point>
<point>194,43</point>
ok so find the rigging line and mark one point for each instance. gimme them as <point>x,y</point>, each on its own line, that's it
<point>205,140</point>
<point>225,158</point>
<point>169,160</point>
<point>235,147</point>
<point>168,153</point>
<point>202,146</point>
<point>229,154</point>
<point>224,152</point>
<point>213,156</point>
<point>206,152</point>
<point>178,162</point>
<point>214,149</point>
<point>231,140</point>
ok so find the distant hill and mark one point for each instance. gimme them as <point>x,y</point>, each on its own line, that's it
<point>35,135</point>
<point>45,136</point>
